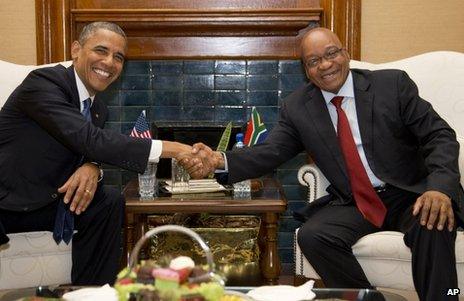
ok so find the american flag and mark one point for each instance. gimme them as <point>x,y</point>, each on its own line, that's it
<point>141,129</point>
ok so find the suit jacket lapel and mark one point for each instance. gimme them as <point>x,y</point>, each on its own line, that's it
<point>319,115</point>
<point>72,81</point>
<point>364,110</point>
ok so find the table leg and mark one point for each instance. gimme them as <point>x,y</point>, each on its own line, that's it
<point>136,226</point>
<point>269,260</point>
<point>129,238</point>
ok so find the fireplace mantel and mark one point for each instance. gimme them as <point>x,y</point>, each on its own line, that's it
<point>173,29</point>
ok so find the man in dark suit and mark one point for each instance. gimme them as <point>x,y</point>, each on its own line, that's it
<point>392,163</point>
<point>50,140</point>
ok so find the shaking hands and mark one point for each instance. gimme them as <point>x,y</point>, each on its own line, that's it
<point>201,161</point>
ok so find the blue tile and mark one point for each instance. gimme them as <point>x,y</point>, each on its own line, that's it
<point>262,98</point>
<point>199,67</point>
<point>167,113</point>
<point>136,67</point>
<point>230,67</point>
<point>262,82</point>
<point>262,67</point>
<point>290,82</point>
<point>234,114</point>
<point>292,206</point>
<point>285,239</point>
<point>291,67</point>
<point>166,82</point>
<point>138,82</point>
<point>130,114</point>
<point>202,98</point>
<point>230,82</point>
<point>233,98</point>
<point>296,192</point>
<point>167,98</point>
<point>114,126</point>
<point>198,82</point>
<point>116,85</point>
<point>166,67</point>
<point>126,127</point>
<point>288,224</point>
<point>286,255</point>
<point>267,114</point>
<point>287,176</point>
<point>109,97</point>
<point>136,98</point>
<point>114,113</point>
<point>198,113</point>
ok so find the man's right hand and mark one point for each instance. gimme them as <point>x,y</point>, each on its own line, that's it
<point>81,187</point>
<point>201,161</point>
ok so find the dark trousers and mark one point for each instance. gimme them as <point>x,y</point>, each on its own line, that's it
<point>327,237</point>
<point>96,245</point>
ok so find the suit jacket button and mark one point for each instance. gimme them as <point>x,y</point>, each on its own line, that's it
<point>54,195</point>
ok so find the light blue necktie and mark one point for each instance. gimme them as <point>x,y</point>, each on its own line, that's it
<point>64,219</point>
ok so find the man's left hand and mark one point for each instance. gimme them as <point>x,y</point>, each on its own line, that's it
<point>82,184</point>
<point>435,208</point>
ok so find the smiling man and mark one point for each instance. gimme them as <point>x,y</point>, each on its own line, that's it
<point>51,136</point>
<point>392,163</point>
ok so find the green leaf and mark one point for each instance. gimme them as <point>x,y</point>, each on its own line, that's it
<point>224,142</point>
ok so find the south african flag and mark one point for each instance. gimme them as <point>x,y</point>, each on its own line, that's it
<point>256,131</point>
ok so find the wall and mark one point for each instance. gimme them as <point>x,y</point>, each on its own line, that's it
<point>431,25</point>
<point>17,31</point>
<point>397,29</point>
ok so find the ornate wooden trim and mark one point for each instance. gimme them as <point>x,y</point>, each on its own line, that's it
<point>344,18</point>
<point>158,33</point>
<point>52,30</point>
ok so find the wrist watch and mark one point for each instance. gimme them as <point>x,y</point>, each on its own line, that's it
<point>101,170</point>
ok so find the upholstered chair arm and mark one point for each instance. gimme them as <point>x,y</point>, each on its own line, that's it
<point>309,175</point>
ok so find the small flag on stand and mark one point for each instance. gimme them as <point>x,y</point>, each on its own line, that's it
<point>256,131</point>
<point>141,128</point>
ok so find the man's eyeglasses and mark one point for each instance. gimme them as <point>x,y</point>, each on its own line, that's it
<point>331,54</point>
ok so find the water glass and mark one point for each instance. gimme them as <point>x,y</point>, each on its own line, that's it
<point>179,177</point>
<point>147,181</point>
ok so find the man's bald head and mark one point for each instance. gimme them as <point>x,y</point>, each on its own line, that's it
<point>326,62</point>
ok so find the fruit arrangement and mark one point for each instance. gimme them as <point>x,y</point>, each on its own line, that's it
<point>180,280</point>
<point>170,279</point>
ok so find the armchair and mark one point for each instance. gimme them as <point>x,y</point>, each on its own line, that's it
<point>32,258</point>
<point>383,256</point>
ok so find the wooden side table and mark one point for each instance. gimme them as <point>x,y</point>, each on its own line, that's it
<point>268,200</point>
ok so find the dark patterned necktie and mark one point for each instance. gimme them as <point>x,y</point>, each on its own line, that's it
<point>64,219</point>
<point>367,200</point>
<point>86,109</point>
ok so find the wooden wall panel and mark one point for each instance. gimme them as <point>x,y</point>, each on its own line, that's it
<point>197,29</point>
<point>196,4</point>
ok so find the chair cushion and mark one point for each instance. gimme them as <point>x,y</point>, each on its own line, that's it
<point>387,261</point>
<point>32,259</point>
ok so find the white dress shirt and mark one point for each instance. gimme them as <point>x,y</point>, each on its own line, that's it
<point>156,145</point>
<point>349,106</point>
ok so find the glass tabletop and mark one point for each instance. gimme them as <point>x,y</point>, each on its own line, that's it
<point>321,293</point>
<point>340,294</point>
